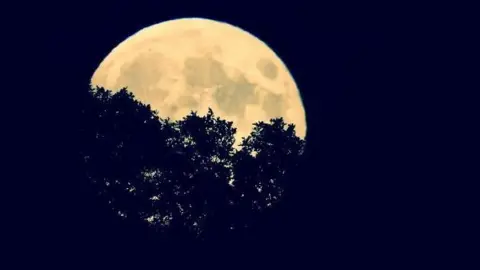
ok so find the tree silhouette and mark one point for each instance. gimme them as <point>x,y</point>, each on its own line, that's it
<point>261,166</point>
<point>183,179</point>
<point>120,139</point>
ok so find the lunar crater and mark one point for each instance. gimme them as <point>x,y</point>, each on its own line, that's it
<point>204,72</point>
<point>267,68</point>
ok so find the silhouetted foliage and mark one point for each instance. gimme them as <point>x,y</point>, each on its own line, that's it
<point>184,179</point>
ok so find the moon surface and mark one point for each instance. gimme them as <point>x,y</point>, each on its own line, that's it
<point>192,64</point>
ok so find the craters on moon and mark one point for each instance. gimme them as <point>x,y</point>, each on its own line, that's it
<point>233,97</point>
<point>267,68</point>
<point>142,76</point>
<point>204,72</point>
<point>274,105</point>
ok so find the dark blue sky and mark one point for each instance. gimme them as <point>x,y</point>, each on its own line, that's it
<point>361,71</point>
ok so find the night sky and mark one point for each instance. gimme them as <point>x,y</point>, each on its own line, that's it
<point>358,69</point>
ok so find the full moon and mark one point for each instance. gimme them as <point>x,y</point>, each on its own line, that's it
<point>193,64</point>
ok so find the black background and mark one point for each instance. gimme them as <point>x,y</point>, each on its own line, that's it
<point>369,78</point>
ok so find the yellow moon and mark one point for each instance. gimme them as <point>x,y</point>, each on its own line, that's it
<point>192,64</point>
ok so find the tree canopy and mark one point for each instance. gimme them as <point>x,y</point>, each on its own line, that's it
<point>185,178</point>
